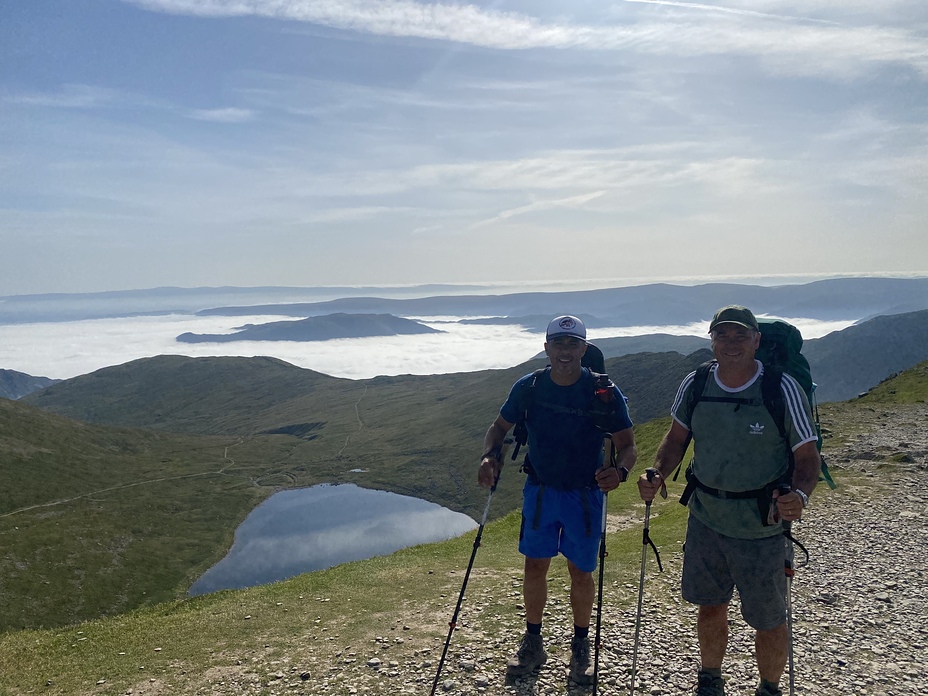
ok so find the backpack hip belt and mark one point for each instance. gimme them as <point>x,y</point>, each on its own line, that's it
<point>763,495</point>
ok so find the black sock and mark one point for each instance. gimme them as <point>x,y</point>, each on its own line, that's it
<point>769,686</point>
<point>534,629</point>
<point>715,672</point>
<point>581,632</point>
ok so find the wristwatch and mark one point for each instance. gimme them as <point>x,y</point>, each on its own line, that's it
<point>802,496</point>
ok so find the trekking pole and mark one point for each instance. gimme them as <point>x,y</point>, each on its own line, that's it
<point>790,565</point>
<point>454,619</point>
<point>790,571</point>
<point>602,564</point>
<point>645,541</point>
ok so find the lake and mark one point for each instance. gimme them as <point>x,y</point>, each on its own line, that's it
<point>298,531</point>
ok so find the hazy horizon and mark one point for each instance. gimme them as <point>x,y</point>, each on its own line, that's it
<point>490,287</point>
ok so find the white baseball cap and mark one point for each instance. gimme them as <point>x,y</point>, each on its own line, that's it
<point>566,325</point>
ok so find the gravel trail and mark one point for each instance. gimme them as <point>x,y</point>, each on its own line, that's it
<point>860,606</point>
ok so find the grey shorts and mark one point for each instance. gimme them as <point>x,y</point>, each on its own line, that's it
<point>714,565</point>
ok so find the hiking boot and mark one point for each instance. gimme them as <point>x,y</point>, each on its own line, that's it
<point>581,667</point>
<point>768,689</point>
<point>709,685</point>
<point>529,657</point>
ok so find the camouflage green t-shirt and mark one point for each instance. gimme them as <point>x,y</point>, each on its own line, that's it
<point>737,447</point>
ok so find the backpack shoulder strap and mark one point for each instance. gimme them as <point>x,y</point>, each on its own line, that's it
<point>700,379</point>
<point>772,391</point>
<point>520,432</point>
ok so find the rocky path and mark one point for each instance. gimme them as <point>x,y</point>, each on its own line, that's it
<point>860,606</point>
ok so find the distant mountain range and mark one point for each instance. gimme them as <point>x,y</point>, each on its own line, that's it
<point>642,305</point>
<point>849,362</point>
<point>322,328</point>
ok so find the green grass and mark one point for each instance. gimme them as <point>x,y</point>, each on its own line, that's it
<point>350,604</point>
<point>907,387</point>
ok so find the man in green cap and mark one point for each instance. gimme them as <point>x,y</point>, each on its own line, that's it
<point>737,495</point>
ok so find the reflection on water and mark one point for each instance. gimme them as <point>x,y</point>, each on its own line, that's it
<point>308,529</point>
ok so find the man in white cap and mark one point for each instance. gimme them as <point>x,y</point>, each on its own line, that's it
<point>737,496</point>
<point>563,493</point>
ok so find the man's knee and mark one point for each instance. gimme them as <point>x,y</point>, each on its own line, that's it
<point>537,567</point>
<point>577,575</point>
<point>709,612</point>
<point>775,634</point>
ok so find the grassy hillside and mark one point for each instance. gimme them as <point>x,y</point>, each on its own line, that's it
<point>96,520</point>
<point>316,615</point>
<point>104,519</point>
<point>15,385</point>
<point>229,395</point>
<point>109,518</point>
<point>310,623</point>
<point>414,435</point>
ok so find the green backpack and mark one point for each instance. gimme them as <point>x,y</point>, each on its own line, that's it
<point>780,351</point>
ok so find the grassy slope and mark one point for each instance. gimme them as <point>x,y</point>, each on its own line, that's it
<point>318,619</point>
<point>318,614</point>
<point>97,520</point>
<point>415,435</point>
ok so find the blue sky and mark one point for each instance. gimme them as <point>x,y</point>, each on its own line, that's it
<point>346,142</point>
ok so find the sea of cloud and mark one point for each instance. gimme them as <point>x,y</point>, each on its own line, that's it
<point>61,350</point>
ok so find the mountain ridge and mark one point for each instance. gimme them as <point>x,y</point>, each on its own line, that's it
<point>661,303</point>
<point>15,385</point>
<point>837,298</point>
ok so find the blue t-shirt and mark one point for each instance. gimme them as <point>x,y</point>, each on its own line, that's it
<point>566,448</point>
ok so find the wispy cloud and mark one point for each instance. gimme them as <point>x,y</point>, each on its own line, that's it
<point>726,10</point>
<point>795,48</point>
<point>542,205</point>
<point>91,97</point>
<point>228,115</point>
<point>69,96</point>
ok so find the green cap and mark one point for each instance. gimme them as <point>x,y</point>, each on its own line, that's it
<point>734,314</point>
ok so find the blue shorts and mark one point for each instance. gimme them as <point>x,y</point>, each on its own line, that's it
<point>714,564</point>
<point>569,522</point>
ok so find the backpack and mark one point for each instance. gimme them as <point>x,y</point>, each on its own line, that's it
<point>602,405</point>
<point>781,348</point>
<point>780,351</point>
